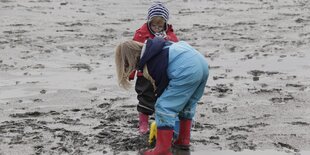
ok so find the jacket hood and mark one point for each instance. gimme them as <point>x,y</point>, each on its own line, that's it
<point>153,48</point>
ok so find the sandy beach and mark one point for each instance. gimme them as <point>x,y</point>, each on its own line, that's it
<point>59,91</point>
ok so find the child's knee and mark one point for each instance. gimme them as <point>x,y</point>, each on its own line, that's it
<point>187,114</point>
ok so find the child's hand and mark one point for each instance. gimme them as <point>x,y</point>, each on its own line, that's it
<point>161,34</point>
<point>132,75</point>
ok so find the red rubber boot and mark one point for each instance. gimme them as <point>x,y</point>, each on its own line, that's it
<point>163,143</point>
<point>183,141</point>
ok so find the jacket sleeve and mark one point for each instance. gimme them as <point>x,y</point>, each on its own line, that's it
<point>171,35</point>
<point>142,34</point>
<point>139,36</point>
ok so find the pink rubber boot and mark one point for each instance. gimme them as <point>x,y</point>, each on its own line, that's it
<point>143,123</point>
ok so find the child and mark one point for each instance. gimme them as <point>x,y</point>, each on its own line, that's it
<point>178,83</point>
<point>156,25</point>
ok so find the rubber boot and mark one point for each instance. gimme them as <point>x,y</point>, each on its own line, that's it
<point>143,123</point>
<point>163,143</point>
<point>183,141</point>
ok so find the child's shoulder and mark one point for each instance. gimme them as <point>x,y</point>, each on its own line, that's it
<point>143,27</point>
<point>142,33</point>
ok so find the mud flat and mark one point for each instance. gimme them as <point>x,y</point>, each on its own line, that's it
<point>58,90</point>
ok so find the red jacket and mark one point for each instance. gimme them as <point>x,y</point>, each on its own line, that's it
<point>143,34</point>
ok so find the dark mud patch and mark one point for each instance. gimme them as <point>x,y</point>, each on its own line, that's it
<point>206,142</point>
<point>129,106</point>
<point>242,145</point>
<point>222,76</point>
<point>130,143</point>
<point>259,73</point>
<point>33,114</point>
<point>265,91</point>
<point>256,125</point>
<point>121,138</point>
<point>82,66</point>
<point>197,126</point>
<point>220,110</point>
<point>230,130</point>
<point>265,116</point>
<point>104,105</point>
<point>243,129</point>
<point>6,67</point>
<point>221,90</point>
<point>68,121</point>
<point>283,99</point>
<point>299,123</point>
<point>237,137</point>
<point>286,146</point>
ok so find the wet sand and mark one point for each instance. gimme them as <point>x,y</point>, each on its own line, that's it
<point>58,90</point>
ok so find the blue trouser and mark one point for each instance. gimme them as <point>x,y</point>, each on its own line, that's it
<point>188,73</point>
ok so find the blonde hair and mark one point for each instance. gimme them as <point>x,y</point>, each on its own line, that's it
<point>127,55</point>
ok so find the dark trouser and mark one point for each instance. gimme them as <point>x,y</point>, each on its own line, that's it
<point>146,95</point>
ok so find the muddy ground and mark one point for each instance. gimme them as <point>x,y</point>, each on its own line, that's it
<point>58,90</point>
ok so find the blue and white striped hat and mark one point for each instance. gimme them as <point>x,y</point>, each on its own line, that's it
<point>158,9</point>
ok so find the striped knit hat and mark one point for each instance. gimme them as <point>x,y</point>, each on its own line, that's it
<point>158,9</point>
